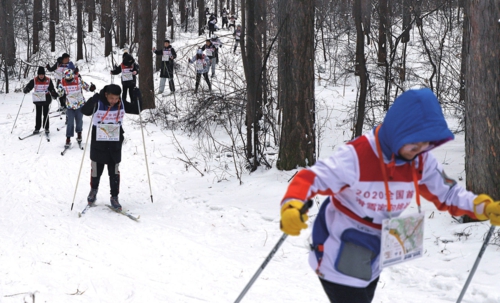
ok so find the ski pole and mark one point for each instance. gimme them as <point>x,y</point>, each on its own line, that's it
<point>18,114</point>
<point>476,263</point>
<point>144,145</point>
<point>83,157</point>
<point>303,210</point>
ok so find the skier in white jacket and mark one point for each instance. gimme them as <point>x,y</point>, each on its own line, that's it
<point>370,179</point>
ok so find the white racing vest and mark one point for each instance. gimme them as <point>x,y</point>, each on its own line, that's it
<point>166,55</point>
<point>107,121</point>
<point>127,73</point>
<point>41,89</point>
<point>59,72</point>
<point>74,96</point>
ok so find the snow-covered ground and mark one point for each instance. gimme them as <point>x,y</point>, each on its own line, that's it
<point>201,240</point>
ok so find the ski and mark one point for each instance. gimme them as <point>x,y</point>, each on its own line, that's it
<point>80,144</point>
<point>30,135</point>
<point>125,213</point>
<point>47,136</point>
<point>66,149</point>
<point>80,214</point>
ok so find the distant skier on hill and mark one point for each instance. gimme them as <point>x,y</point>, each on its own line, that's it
<point>224,18</point>
<point>232,22</point>
<point>202,66</point>
<point>237,37</point>
<point>211,52</point>
<point>372,179</point>
<point>43,90</point>
<point>129,69</point>
<point>62,63</point>
<point>212,27</point>
<point>107,137</point>
<point>168,56</point>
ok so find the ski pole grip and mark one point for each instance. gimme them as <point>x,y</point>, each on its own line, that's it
<point>305,207</point>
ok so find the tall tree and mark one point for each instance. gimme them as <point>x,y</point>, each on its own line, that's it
<point>8,39</point>
<point>79,29</point>
<point>182,9</point>
<point>171,18</point>
<point>37,24</point>
<point>52,24</point>
<point>161,28</point>
<point>106,23</point>
<point>145,58</point>
<point>361,71</point>
<point>122,21</point>
<point>201,17</point>
<point>296,83</point>
<point>482,97</point>
<point>91,14</point>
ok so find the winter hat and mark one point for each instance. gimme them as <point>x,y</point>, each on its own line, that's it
<point>41,71</point>
<point>113,89</point>
<point>199,52</point>
<point>65,55</point>
<point>128,59</point>
<point>166,40</point>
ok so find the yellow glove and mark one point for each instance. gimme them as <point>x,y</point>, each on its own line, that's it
<point>485,208</point>
<point>292,221</point>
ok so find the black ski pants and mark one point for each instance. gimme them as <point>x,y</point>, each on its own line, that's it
<point>38,120</point>
<point>198,77</point>
<point>114,177</point>
<point>127,87</point>
<point>338,293</point>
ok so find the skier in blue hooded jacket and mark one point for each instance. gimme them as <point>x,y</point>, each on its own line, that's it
<point>371,179</point>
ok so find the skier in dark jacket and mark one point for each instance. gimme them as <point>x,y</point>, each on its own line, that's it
<point>43,89</point>
<point>62,64</point>
<point>129,69</point>
<point>211,25</point>
<point>107,137</point>
<point>168,56</point>
<point>224,18</point>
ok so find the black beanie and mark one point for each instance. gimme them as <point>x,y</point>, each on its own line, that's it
<point>113,89</point>
<point>166,40</point>
<point>41,71</point>
<point>128,59</point>
<point>65,55</point>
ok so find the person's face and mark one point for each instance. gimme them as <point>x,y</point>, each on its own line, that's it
<point>41,77</point>
<point>411,150</point>
<point>65,60</point>
<point>112,99</point>
<point>207,43</point>
<point>166,44</point>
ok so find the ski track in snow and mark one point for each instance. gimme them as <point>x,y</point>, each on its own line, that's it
<point>200,241</point>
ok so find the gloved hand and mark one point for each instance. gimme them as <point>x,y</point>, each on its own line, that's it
<point>485,208</point>
<point>76,70</point>
<point>25,91</point>
<point>92,87</point>
<point>47,66</point>
<point>292,221</point>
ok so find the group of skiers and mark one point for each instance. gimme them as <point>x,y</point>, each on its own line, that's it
<point>107,109</point>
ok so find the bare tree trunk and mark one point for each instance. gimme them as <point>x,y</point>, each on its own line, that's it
<point>8,41</point>
<point>482,97</point>
<point>201,17</point>
<point>145,58</point>
<point>171,18</point>
<point>161,28</point>
<point>69,8</point>
<point>37,24</point>
<point>52,25</point>
<point>79,29</point>
<point>91,14</point>
<point>216,8</point>
<point>106,21</point>
<point>232,7</point>
<point>296,82</point>
<point>182,10</point>
<point>361,71</point>
<point>122,21</point>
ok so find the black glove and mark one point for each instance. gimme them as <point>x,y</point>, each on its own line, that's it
<point>54,94</point>
<point>92,87</point>
<point>25,91</point>
<point>76,70</point>
<point>47,66</point>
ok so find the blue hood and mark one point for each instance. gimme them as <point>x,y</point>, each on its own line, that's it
<point>415,116</point>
